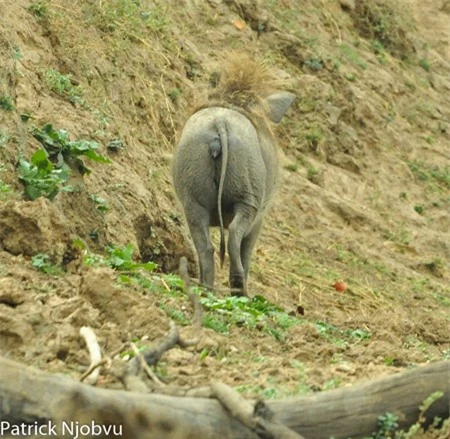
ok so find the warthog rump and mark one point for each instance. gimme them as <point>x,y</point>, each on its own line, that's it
<point>225,167</point>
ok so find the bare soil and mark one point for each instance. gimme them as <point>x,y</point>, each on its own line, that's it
<point>364,198</point>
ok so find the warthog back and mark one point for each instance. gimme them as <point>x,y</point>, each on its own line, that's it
<point>225,171</point>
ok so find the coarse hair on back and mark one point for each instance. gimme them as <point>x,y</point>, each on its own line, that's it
<point>242,84</point>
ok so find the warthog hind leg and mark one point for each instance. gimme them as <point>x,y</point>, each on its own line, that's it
<point>198,220</point>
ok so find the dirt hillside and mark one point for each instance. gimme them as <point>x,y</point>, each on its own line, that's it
<point>364,196</point>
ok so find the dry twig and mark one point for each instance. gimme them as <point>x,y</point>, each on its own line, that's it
<point>93,372</point>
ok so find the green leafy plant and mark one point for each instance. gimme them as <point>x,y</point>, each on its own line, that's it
<point>340,336</point>
<point>419,208</point>
<point>40,177</point>
<point>119,258</point>
<point>312,172</point>
<point>43,262</point>
<point>6,103</point>
<point>315,64</point>
<point>425,64</point>
<point>314,136</point>
<point>38,8</point>
<point>5,190</point>
<point>223,313</point>
<point>387,424</point>
<point>62,150</point>
<point>100,203</point>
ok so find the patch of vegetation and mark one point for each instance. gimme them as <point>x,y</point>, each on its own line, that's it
<point>48,171</point>
<point>174,94</point>
<point>437,177</point>
<point>387,22</point>
<point>6,103</point>
<point>5,189</point>
<point>292,167</point>
<point>4,138</point>
<point>332,383</point>
<point>249,313</point>
<point>341,337</point>
<point>350,77</point>
<point>130,19</point>
<point>63,86</point>
<point>419,208</point>
<point>100,203</point>
<point>314,64</point>
<point>44,263</point>
<point>425,64</point>
<point>387,424</point>
<point>379,51</point>
<point>17,54</point>
<point>221,314</point>
<point>115,145</point>
<point>399,235</point>
<point>26,116</point>
<point>39,9</point>
<point>312,172</point>
<point>61,150</point>
<point>119,258</point>
<point>314,136</point>
<point>41,178</point>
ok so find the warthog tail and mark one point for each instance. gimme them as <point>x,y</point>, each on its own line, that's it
<point>223,135</point>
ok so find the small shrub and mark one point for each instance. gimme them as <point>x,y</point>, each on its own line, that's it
<point>6,103</point>
<point>60,148</point>
<point>312,172</point>
<point>41,178</point>
<point>419,208</point>
<point>315,64</point>
<point>424,64</point>
<point>39,9</point>
<point>313,137</point>
<point>48,171</point>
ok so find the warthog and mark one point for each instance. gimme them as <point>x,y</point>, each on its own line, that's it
<point>225,167</point>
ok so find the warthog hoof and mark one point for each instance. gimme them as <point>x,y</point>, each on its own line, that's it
<point>238,285</point>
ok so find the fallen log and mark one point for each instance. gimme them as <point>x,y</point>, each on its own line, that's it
<point>33,397</point>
